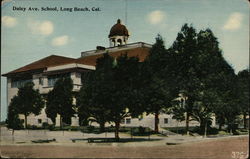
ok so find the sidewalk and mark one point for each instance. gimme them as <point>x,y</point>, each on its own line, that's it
<point>25,137</point>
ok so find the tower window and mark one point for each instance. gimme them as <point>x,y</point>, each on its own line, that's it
<point>119,42</point>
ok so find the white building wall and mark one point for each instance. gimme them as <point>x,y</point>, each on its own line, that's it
<point>11,92</point>
<point>145,121</point>
<point>149,121</point>
<point>43,89</point>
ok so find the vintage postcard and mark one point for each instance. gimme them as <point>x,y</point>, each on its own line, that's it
<point>124,79</point>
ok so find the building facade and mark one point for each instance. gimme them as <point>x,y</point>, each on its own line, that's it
<point>45,72</point>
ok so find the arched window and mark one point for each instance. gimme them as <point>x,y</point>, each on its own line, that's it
<point>119,42</point>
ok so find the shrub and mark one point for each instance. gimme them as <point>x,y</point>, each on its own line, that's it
<point>74,128</point>
<point>29,126</point>
<point>16,124</point>
<point>236,132</point>
<point>51,127</point>
<point>33,127</point>
<point>45,125</point>
<point>90,128</point>
<point>141,130</point>
<point>213,131</point>
<point>223,133</point>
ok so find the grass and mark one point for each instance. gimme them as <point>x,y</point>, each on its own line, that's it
<point>139,131</point>
<point>210,131</point>
<point>135,131</point>
<point>2,123</point>
<point>180,130</point>
<point>193,130</point>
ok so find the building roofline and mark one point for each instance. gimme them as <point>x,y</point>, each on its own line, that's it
<point>45,64</point>
<point>41,68</point>
<point>114,48</point>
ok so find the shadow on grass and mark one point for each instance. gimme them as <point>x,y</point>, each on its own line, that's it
<point>43,141</point>
<point>112,140</point>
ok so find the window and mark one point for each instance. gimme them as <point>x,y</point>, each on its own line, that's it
<point>119,42</point>
<point>165,120</point>
<point>15,83</point>
<point>128,121</point>
<point>40,81</point>
<point>39,121</point>
<point>52,79</point>
<point>122,121</point>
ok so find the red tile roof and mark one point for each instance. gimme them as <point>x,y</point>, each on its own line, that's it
<point>141,53</point>
<point>55,60</point>
<point>49,61</point>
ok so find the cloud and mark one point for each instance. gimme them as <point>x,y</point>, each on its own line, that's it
<point>156,17</point>
<point>9,21</point>
<point>234,21</point>
<point>42,28</point>
<point>61,40</point>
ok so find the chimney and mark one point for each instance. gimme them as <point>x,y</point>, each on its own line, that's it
<point>100,48</point>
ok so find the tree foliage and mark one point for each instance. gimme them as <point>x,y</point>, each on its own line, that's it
<point>13,120</point>
<point>60,100</point>
<point>243,87</point>
<point>159,79</point>
<point>91,99</point>
<point>204,77</point>
<point>111,93</point>
<point>193,68</point>
<point>26,101</point>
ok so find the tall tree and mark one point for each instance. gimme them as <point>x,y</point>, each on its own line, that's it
<point>51,109</point>
<point>27,101</point>
<point>208,58</point>
<point>185,47</point>
<point>204,75</point>
<point>127,89</point>
<point>159,79</point>
<point>60,101</point>
<point>13,120</point>
<point>110,94</point>
<point>87,103</point>
<point>243,84</point>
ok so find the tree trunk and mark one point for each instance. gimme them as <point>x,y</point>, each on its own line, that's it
<point>102,126</point>
<point>25,124</point>
<point>60,122</point>
<point>157,121</point>
<point>220,126</point>
<point>231,129</point>
<point>202,125</point>
<point>205,131</point>
<point>245,120</point>
<point>117,126</point>
<point>187,123</point>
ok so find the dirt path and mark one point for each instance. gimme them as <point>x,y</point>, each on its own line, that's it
<point>227,148</point>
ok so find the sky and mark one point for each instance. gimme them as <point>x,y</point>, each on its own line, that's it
<point>30,35</point>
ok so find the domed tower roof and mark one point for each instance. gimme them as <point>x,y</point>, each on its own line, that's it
<point>118,29</point>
